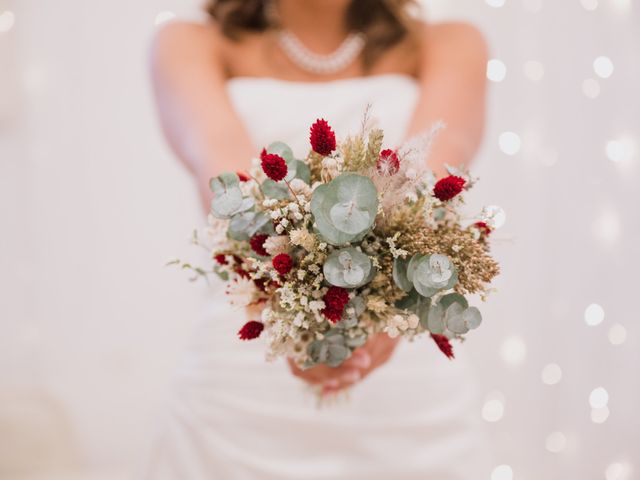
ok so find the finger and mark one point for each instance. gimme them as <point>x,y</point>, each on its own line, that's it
<point>360,359</point>
<point>346,380</point>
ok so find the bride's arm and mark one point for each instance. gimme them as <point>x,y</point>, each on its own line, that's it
<point>194,109</point>
<point>453,90</point>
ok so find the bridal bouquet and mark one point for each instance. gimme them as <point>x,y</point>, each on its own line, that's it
<point>351,241</point>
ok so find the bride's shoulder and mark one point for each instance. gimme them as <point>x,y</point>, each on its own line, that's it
<point>454,40</point>
<point>181,41</point>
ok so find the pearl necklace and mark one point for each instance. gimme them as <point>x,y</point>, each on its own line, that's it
<point>316,63</point>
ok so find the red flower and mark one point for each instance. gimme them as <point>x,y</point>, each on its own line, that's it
<point>274,166</point>
<point>221,259</point>
<point>251,330</point>
<point>335,300</point>
<point>388,163</point>
<point>242,272</point>
<point>282,263</point>
<point>243,177</point>
<point>257,244</point>
<point>484,228</point>
<point>448,187</point>
<point>443,344</point>
<point>263,153</point>
<point>323,140</point>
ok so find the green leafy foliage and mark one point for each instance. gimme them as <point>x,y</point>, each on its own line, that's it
<point>345,208</point>
<point>347,268</point>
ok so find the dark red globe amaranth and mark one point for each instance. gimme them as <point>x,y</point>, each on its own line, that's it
<point>448,187</point>
<point>250,330</point>
<point>221,259</point>
<point>243,177</point>
<point>257,244</point>
<point>323,139</point>
<point>274,166</point>
<point>283,263</point>
<point>484,228</point>
<point>444,345</point>
<point>388,163</point>
<point>335,300</point>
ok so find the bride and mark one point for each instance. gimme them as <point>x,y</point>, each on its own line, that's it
<point>262,71</point>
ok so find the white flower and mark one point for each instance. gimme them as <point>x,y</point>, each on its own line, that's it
<point>300,188</point>
<point>413,320</point>
<point>316,306</point>
<point>276,244</point>
<point>241,292</point>
<point>279,229</point>
<point>303,238</point>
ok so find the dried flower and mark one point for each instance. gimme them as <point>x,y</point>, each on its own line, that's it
<point>276,244</point>
<point>274,166</point>
<point>283,263</point>
<point>257,244</point>
<point>323,139</point>
<point>252,329</point>
<point>335,300</point>
<point>388,163</point>
<point>443,344</point>
<point>448,187</point>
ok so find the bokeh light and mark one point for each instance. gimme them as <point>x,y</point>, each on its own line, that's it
<point>510,143</point>
<point>164,16</point>
<point>621,150</point>
<point>493,408</point>
<point>513,350</point>
<point>618,471</point>
<point>599,415</point>
<point>591,88</point>
<point>533,70</point>
<point>606,226</point>
<point>551,374</point>
<point>556,442</point>
<point>603,66</point>
<point>589,4</point>
<point>7,20</point>
<point>495,3</point>
<point>599,398</point>
<point>496,70</point>
<point>593,315</point>
<point>617,334</point>
<point>502,472</point>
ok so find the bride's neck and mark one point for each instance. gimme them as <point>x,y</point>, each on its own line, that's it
<point>320,24</point>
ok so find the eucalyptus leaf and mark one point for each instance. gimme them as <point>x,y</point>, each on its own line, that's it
<point>347,268</point>
<point>345,208</point>
<point>400,274</point>
<point>451,298</point>
<point>282,149</point>
<point>277,190</point>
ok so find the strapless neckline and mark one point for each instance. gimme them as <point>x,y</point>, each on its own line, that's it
<point>384,77</point>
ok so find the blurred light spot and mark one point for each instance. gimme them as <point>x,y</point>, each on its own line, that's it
<point>496,70</point>
<point>548,157</point>
<point>513,350</point>
<point>551,374</point>
<point>164,16</point>
<point>617,334</point>
<point>494,215</point>
<point>621,150</point>
<point>502,472</point>
<point>599,415</point>
<point>593,315</point>
<point>599,398</point>
<point>591,88</point>
<point>533,6</point>
<point>621,6</point>
<point>607,226</point>
<point>533,70</point>
<point>603,66</point>
<point>509,143</point>
<point>618,471</point>
<point>495,3</point>
<point>556,442</point>
<point>7,20</point>
<point>589,4</point>
<point>493,409</point>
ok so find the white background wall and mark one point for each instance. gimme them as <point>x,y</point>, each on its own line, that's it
<point>92,203</point>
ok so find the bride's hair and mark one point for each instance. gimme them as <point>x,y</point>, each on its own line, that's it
<point>384,22</point>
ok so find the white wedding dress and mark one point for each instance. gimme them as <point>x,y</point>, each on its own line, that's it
<point>236,417</point>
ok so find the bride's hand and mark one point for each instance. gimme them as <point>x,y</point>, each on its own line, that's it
<point>364,360</point>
